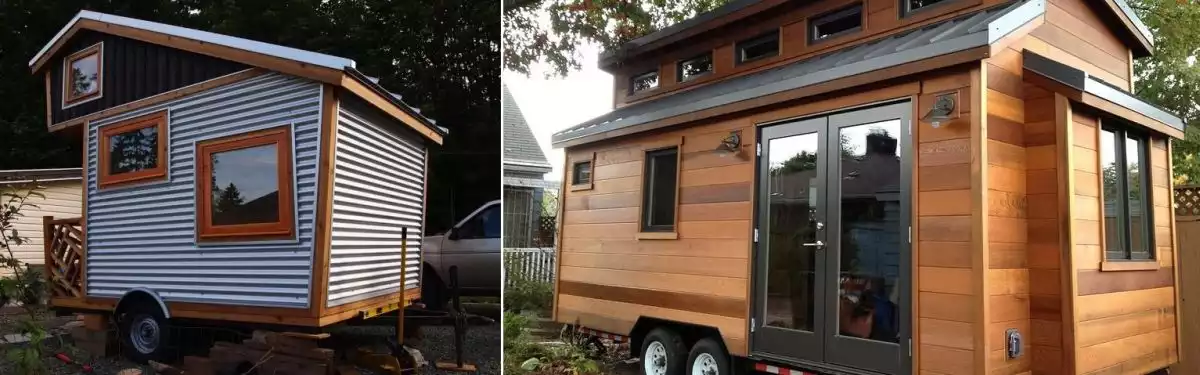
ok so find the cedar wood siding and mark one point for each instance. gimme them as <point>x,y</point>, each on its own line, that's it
<point>132,70</point>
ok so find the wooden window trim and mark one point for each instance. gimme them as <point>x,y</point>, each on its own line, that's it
<point>285,228</point>
<point>104,178</point>
<point>673,234</point>
<point>590,159</point>
<point>95,49</point>
<point>1119,265</point>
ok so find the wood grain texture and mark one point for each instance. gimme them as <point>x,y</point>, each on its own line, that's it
<point>704,304</point>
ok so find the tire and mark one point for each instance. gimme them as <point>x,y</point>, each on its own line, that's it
<point>145,333</point>
<point>433,292</point>
<point>708,358</point>
<point>663,353</point>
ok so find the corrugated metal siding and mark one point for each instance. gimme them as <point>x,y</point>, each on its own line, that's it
<point>144,236</point>
<point>378,189</point>
<point>61,199</point>
<point>133,70</point>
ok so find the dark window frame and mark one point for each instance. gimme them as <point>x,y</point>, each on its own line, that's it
<point>1121,133</point>
<point>105,178</point>
<point>679,67</point>
<point>581,176</point>
<point>739,55</point>
<point>830,16</point>
<point>648,196</point>
<point>633,79</point>
<point>905,11</point>
<point>285,227</point>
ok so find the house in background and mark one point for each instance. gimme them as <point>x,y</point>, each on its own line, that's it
<point>524,188</point>
<point>61,191</point>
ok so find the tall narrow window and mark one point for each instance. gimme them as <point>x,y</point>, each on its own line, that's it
<point>1126,192</point>
<point>643,82</point>
<point>694,67</point>
<point>759,47</point>
<point>244,187</point>
<point>83,75</point>
<point>133,150</point>
<point>909,6</point>
<point>658,190</point>
<point>836,23</point>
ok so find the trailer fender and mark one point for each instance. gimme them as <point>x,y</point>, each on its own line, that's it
<point>139,292</point>
<point>690,332</point>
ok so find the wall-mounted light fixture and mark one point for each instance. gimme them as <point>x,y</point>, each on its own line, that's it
<point>732,144</point>
<point>942,110</point>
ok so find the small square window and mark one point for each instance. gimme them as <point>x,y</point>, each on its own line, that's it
<point>695,67</point>
<point>581,173</point>
<point>83,75</point>
<point>1128,228</point>
<point>659,185</point>
<point>244,187</point>
<point>910,6</point>
<point>759,47</point>
<point>643,82</point>
<point>132,151</point>
<point>836,23</point>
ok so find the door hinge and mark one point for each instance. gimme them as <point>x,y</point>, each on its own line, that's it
<point>910,347</point>
<point>755,235</point>
<point>752,324</point>
<point>910,234</point>
<point>758,149</point>
<point>910,127</point>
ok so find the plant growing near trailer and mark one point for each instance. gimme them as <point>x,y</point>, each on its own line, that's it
<point>25,286</point>
<point>523,356</point>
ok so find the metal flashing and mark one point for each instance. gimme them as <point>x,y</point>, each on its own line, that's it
<point>394,99</point>
<point>962,33</point>
<point>607,56</point>
<point>1140,27</point>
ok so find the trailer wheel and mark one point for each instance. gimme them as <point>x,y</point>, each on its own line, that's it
<point>708,358</point>
<point>663,353</point>
<point>433,291</point>
<point>144,333</point>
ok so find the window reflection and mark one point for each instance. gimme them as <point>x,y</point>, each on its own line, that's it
<point>792,219</point>
<point>245,186</point>
<point>84,77</point>
<point>133,150</point>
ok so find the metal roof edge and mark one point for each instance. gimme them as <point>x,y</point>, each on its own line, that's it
<point>1140,27</point>
<point>676,28</point>
<point>283,52</point>
<point>366,81</point>
<point>1013,18</point>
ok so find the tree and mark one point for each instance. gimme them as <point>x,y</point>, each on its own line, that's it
<point>1170,77</point>
<point>550,30</point>
<point>228,199</point>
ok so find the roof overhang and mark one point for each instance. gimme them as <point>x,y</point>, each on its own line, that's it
<point>1081,87</point>
<point>25,176</point>
<point>334,70</point>
<point>955,41</point>
<point>1139,33</point>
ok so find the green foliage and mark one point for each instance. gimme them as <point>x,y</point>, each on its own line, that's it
<point>550,30</point>
<point>1170,78</point>
<point>26,285</point>
<point>522,356</point>
<point>531,296</point>
<point>442,56</point>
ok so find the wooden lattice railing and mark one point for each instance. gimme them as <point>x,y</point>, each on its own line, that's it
<point>64,256</point>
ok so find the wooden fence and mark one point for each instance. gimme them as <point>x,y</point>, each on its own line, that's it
<point>536,264</point>
<point>1187,232</point>
<point>65,256</point>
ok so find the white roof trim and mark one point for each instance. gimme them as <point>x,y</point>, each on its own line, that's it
<point>319,59</point>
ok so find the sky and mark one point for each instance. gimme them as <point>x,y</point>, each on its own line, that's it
<point>556,103</point>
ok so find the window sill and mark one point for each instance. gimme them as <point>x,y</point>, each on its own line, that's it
<point>581,187</point>
<point>1141,265</point>
<point>657,236</point>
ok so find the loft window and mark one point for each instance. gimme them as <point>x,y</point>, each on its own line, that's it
<point>659,185</point>
<point>643,82</point>
<point>244,187</point>
<point>83,77</point>
<point>836,23</point>
<point>909,6</point>
<point>695,67</point>
<point>581,173</point>
<point>759,47</point>
<point>1126,195</point>
<point>132,151</point>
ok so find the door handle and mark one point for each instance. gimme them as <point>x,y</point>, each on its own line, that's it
<point>819,245</point>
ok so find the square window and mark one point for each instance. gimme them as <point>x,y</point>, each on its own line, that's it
<point>836,23</point>
<point>659,185</point>
<point>910,6</point>
<point>581,173</point>
<point>695,67</point>
<point>244,187</point>
<point>83,75</point>
<point>759,47</point>
<point>643,82</point>
<point>1128,229</point>
<point>132,151</point>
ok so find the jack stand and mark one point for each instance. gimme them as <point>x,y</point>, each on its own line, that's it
<point>460,328</point>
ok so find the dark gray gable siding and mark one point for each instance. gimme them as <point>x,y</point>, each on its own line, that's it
<point>132,70</point>
<point>520,146</point>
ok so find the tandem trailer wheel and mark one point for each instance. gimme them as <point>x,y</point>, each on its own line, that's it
<point>144,331</point>
<point>663,353</point>
<point>708,357</point>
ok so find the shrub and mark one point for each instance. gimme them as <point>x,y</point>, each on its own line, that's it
<point>523,356</point>
<point>26,285</point>
<point>523,295</point>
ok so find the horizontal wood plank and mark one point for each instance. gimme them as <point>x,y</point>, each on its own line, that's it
<point>704,304</point>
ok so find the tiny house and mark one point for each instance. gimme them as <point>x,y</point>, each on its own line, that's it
<point>877,187</point>
<point>229,180</point>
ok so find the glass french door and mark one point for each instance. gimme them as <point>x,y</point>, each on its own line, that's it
<point>832,256</point>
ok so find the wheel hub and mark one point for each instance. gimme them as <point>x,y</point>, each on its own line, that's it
<point>656,359</point>
<point>145,334</point>
<point>705,364</point>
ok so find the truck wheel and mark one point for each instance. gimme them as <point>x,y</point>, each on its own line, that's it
<point>708,358</point>
<point>663,353</point>
<point>144,333</point>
